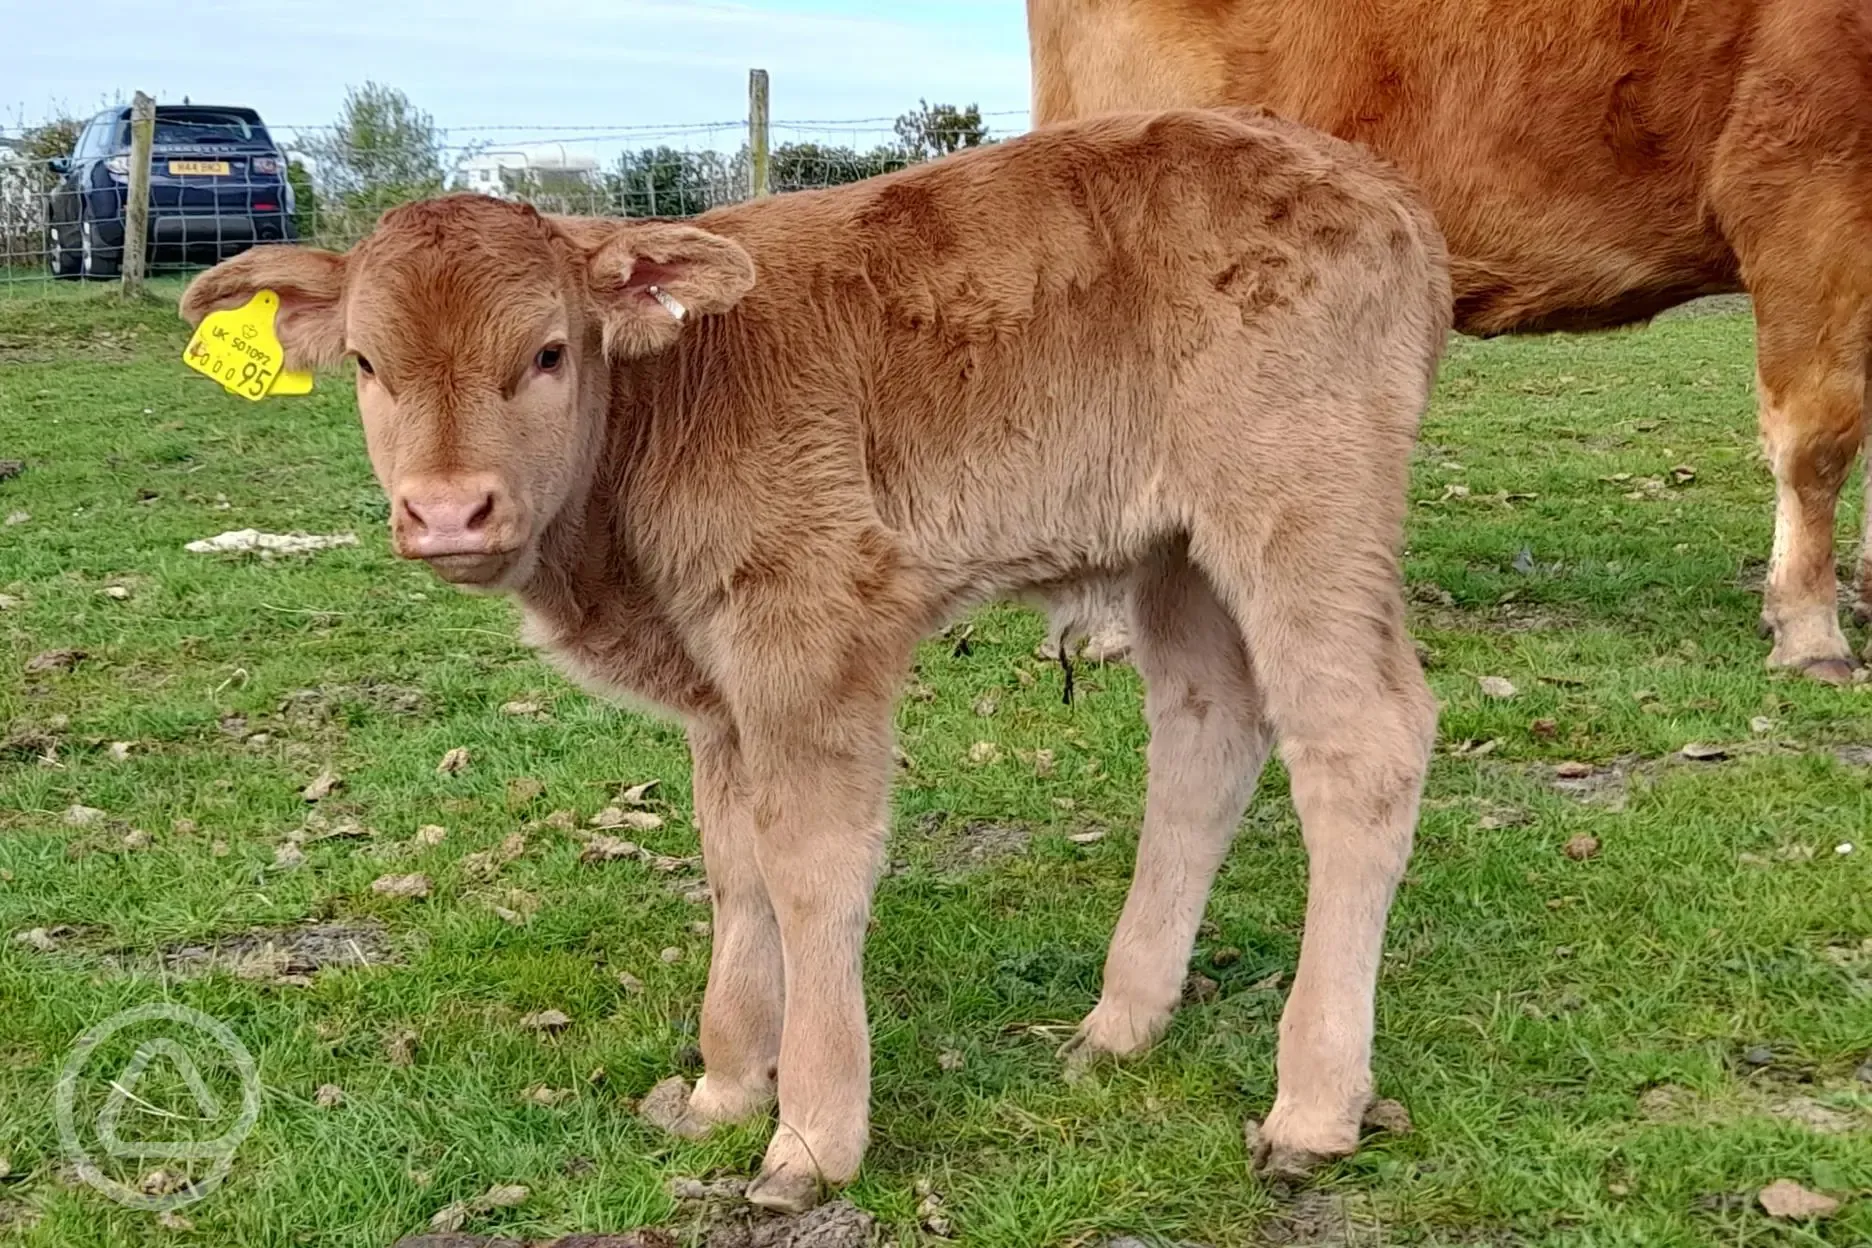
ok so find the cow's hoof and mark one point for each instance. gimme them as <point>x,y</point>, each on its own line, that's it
<point>1830,671</point>
<point>790,1190</point>
<point>1830,664</point>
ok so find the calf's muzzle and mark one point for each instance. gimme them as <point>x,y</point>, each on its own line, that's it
<point>462,526</point>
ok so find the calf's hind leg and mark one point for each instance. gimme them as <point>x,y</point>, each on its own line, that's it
<point>1322,610</point>
<point>1208,741</point>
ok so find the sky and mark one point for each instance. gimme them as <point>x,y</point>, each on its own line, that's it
<point>555,67</point>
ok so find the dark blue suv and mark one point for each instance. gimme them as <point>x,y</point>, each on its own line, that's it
<point>217,186</point>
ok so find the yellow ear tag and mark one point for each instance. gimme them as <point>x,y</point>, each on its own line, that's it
<point>238,348</point>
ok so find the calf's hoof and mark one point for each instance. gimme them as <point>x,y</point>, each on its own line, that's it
<point>720,1102</point>
<point>1288,1166</point>
<point>786,1191</point>
<point>1282,1155</point>
<point>798,1173</point>
<point>1113,1032</point>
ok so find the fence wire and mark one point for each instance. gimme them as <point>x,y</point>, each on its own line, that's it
<point>221,181</point>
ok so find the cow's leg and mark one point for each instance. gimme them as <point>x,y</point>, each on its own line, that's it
<point>814,711</point>
<point>742,1008</point>
<point>1322,609</point>
<point>1862,584</point>
<point>1208,741</point>
<point>1811,373</point>
<point>1791,184</point>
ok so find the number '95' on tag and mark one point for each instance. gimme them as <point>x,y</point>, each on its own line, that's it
<point>239,348</point>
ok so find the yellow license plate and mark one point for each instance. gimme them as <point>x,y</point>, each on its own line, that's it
<point>217,168</point>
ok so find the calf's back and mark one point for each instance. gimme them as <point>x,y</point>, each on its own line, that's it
<point>1024,362</point>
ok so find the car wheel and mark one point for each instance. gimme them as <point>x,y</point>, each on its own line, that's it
<point>91,261</point>
<point>61,260</point>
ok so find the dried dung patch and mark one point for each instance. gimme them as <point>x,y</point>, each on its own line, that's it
<point>981,843</point>
<point>1608,785</point>
<point>1433,607</point>
<point>723,1219</point>
<point>1326,1219</point>
<point>1815,1107</point>
<point>330,702</point>
<point>270,953</point>
<point>646,1238</point>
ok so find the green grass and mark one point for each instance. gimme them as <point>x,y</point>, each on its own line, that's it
<point>1531,1005</point>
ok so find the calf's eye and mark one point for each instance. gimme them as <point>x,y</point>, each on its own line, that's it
<point>549,358</point>
<point>364,366</point>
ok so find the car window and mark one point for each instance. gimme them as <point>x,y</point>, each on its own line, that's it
<point>201,125</point>
<point>91,140</point>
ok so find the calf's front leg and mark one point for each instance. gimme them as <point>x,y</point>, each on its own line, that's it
<point>813,713</point>
<point>742,1007</point>
<point>819,815</point>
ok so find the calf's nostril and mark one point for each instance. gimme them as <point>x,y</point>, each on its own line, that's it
<point>478,520</point>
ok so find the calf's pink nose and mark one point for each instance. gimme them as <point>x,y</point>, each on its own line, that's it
<point>452,517</point>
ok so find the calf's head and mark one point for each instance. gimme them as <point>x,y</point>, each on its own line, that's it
<point>484,336</point>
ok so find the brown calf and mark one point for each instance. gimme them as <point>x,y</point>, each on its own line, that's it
<point>739,467</point>
<point>1592,162</point>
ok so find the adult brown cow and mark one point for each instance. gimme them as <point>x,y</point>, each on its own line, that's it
<point>740,467</point>
<point>1591,162</point>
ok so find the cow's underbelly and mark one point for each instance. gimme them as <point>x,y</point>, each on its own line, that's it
<point>1531,249</point>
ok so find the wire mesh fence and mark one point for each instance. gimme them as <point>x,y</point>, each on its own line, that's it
<point>221,180</point>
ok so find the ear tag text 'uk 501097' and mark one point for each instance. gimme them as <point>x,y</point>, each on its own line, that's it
<point>238,348</point>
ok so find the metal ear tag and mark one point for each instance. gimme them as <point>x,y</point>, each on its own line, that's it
<point>670,303</point>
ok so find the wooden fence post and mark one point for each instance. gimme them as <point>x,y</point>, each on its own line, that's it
<point>136,204</point>
<point>757,132</point>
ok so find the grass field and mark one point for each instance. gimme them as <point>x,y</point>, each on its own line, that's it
<point>1616,1049</point>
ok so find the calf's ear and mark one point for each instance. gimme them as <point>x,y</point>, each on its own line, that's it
<point>310,286</point>
<point>648,279</point>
